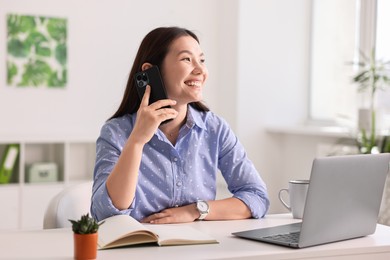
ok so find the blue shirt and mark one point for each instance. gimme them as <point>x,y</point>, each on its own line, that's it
<point>171,176</point>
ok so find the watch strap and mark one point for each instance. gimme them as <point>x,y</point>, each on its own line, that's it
<point>203,213</point>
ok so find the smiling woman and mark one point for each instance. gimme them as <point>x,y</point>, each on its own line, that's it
<point>166,173</point>
<point>184,71</point>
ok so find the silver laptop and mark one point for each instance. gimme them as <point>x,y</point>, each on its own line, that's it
<point>343,202</point>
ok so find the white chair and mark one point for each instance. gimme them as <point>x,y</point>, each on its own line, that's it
<point>70,203</point>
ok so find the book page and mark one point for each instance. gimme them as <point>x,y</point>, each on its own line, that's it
<point>179,234</point>
<point>117,228</point>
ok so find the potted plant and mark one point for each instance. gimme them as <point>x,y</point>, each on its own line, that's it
<point>85,237</point>
<point>372,75</point>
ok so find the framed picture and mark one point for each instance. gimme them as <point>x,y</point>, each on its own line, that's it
<point>36,51</point>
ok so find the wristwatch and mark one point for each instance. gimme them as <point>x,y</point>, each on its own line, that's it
<point>203,208</point>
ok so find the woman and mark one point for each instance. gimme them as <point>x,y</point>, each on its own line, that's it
<point>166,173</point>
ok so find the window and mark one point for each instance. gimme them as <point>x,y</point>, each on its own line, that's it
<point>333,43</point>
<point>383,52</point>
<point>340,30</point>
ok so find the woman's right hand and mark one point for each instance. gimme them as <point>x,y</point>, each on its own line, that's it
<point>149,117</point>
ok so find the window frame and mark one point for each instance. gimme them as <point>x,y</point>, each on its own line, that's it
<point>365,38</point>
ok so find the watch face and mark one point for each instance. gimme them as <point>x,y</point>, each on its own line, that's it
<point>202,206</point>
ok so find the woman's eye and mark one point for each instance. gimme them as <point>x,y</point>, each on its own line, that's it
<point>202,60</point>
<point>186,59</point>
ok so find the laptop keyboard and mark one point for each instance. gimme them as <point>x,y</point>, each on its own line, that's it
<point>292,237</point>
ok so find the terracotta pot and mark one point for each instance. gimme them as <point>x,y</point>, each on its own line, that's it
<point>85,246</point>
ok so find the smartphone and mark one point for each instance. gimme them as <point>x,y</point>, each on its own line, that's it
<point>151,77</point>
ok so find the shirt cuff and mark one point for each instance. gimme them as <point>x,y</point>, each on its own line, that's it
<point>102,206</point>
<point>258,206</point>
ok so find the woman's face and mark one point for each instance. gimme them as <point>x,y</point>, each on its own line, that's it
<point>184,71</point>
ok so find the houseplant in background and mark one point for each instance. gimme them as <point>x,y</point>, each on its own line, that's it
<point>85,237</point>
<point>373,75</point>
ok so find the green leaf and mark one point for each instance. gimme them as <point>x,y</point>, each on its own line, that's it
<point>386,145</point>
<point>374,74</point>
<point>61,54</point>
<point>41,43</point>
<point>57,29</point>
<point>18,48</point>
<point>37,73</point>
<point>56,81</point>
<point>362,76</point>
<point>12,71</point>
<point>20,24</point>
<point>43,51</point>
<point>86,225</point>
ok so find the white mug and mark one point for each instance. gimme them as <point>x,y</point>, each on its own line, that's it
<point>297,190</point>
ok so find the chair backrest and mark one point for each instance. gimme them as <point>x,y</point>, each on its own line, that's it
<point>70,203</point>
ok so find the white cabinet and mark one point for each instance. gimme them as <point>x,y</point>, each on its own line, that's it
<point>34,200</point>
<point>9,202</point>
<point>22,202</point>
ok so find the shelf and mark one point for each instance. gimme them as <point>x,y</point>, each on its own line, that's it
<point>25,199</point>
<point>313,130</point>
<point>44,153</point>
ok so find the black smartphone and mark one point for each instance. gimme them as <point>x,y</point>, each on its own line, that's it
<point>153,78</point>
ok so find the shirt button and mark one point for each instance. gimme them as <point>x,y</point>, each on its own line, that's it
<point>175,159</point>
<point>179,183</point>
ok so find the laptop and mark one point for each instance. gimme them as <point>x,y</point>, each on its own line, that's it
<point>343,202</point>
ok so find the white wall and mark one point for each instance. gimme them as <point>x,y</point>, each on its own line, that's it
<point>103,37</point>
<point>256,52</point>
<point>272,86</point>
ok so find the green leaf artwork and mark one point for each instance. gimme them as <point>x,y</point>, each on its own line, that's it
<point>36,51</point>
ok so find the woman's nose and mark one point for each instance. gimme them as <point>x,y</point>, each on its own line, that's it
<point>199,68</point>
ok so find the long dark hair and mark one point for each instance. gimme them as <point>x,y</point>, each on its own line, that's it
<point>153,49</point>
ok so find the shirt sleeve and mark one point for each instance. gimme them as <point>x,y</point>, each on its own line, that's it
<point>241,176</point>
<point>108,149</point>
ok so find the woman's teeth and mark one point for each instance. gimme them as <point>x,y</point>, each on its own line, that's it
<point>193,83</point>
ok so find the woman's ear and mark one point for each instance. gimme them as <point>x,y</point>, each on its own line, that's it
<point>146,66</point>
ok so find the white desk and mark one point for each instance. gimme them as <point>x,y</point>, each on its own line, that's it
<point>58,244</point>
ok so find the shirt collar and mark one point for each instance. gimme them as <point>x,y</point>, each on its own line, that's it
<point>194,117</point>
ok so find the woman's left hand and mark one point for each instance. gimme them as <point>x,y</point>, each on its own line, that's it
<point>187,213</point>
